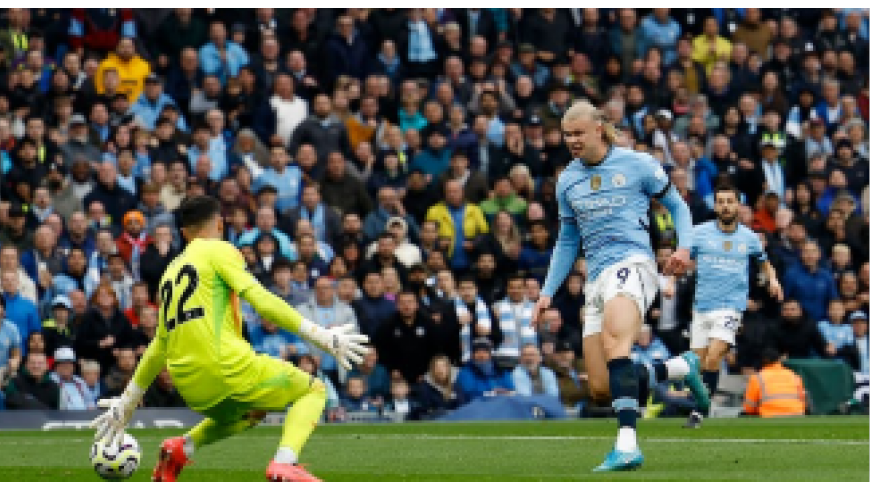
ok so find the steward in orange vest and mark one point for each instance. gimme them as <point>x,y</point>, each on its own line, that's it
<point>775,391</point>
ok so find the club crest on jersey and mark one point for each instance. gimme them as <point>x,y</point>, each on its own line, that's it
<point>596,182</point>
<point>741,248</point>
<point>727,246</point>
<point>618,180</point>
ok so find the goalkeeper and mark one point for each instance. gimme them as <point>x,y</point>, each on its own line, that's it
<point>199,340</point>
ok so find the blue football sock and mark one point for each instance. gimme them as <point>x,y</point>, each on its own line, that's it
<point>624,390</point>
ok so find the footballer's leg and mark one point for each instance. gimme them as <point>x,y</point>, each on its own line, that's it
<point>620,324</point>
<point>283,384</point>
<point>225,419</point>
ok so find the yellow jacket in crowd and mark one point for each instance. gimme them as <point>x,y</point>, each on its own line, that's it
<point>473,223</point>
<point>132,74</point>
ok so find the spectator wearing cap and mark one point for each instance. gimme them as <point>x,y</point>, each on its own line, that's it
<point>570,373</point>
<point>774,175</point>
<point>530,377</point>
<point>150,104</point>
<point>859,352</point>
<point>74,393</point>
<point>220,56</point>
<point>32,387</point>
<point>56,328</point>
<point>132,242</point>
<point>78,145</point>
<point>480,376</point>
<point>816,141</point>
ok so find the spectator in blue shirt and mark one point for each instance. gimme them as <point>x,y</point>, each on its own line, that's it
<point>355,398</point>
<point>835,329</point>
<point>214,148</point>
<point>265,223</point>
<point>648,348</point>
<point>270,340</point>
<point>531,378</point>
<point>150,104</point>
<point>287,180</point>
<point>535,255</point>
<point>661,31</point>
<point>19,310</point>
<point>10,342</point>
<point>74,392</point>
<point>811,284</point>
<point>220,56</point>
<point>480,376</point>
<point>435,157</point>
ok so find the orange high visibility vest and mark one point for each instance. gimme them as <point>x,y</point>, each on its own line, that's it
<point>776,391</point>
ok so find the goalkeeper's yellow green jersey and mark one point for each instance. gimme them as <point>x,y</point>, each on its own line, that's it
<point>199,334</point>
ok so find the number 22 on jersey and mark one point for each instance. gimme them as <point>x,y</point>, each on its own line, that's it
<point>171,292</point>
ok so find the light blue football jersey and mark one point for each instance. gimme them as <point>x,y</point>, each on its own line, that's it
<point>609,203</point>
<point>722,266</point>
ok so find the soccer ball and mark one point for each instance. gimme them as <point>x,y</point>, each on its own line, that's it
<point>114,463</point>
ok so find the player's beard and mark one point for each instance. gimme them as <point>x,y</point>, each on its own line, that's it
<point>727,219</point>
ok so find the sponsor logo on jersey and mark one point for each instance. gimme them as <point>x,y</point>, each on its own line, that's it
<point>726,245</point>
<point>596,182</point>
<point>618,180</point>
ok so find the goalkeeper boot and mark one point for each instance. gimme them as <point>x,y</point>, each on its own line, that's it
<point>289,472</point>
<point>696,384</point>
<point>171,460</point>
<point>621,461</point>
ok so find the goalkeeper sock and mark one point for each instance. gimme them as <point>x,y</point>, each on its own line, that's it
<point>285,455</point>
<point>302,418</point>
<point>189,446</point>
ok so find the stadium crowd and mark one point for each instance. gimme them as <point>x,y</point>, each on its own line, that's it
<point>396,168</point>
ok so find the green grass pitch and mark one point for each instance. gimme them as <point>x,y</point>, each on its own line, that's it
<point>819,448</point>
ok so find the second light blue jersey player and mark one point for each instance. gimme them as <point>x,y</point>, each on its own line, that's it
<point>723,261</point>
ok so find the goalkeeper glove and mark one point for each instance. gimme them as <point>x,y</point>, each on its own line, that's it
<point>110,424</point>
<point>339,341</point>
